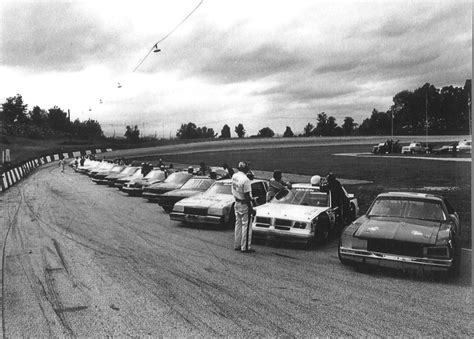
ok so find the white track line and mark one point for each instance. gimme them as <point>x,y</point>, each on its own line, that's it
<point>370,155</point>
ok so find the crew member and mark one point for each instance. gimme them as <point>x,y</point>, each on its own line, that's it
<point>276,184</point>
<point>229,171</point>
<point>241,190</point>
<point>338,195</point>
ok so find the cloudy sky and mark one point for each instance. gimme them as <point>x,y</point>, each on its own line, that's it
<point>261,63</point>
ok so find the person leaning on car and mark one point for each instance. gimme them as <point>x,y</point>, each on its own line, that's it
<point>338,196</point>
<point>242,192</point>
<point>276,184</point>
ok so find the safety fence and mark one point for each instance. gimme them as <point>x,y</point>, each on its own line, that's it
<point>16,173</point>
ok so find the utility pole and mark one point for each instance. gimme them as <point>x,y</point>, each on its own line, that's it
<point>426,118</point>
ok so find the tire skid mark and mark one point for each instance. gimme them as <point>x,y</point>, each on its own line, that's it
<point>43,223</point>
<point>11,221</point>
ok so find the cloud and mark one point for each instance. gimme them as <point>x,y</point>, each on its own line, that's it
<point>57,36</point>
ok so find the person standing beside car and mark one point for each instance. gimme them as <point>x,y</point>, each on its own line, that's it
<point>242,192</point>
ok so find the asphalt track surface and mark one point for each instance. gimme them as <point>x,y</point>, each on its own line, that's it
<point>82,260</point>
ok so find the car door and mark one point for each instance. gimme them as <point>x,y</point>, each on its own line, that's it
<point>259,193</point>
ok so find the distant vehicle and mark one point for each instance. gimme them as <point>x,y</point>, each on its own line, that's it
<point>302,213</point>
<point>464,146</point>
<point>216,205</point>
<point>416,147</point>
<point>128,170</point>
<point>99,177</point>
<point>174,181</point>
<point>386,147</point>
<point>405,230</point>
<point>193,186</point>
<point>445,149</point>
<point>135,187</point>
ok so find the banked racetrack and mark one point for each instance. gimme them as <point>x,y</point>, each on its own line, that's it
<point>85,260</point>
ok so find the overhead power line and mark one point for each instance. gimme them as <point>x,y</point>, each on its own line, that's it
<point>155,46</point>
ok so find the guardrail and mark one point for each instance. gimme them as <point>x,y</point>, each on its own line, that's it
<point>16,173</point>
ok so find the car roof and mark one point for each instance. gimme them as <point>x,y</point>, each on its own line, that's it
<point>304,185</point>
<point>410,195</point>
<point>229,181</point>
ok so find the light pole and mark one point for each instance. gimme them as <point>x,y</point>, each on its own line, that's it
<point>426,118</point>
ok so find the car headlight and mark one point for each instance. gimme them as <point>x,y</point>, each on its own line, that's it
<point>178,208</point>
<point>299,224</point>
<point>438,252</point>
<point>215,211</point>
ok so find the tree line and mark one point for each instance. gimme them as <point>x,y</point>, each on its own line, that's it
<point>40,123</point>
<point>440,111</point>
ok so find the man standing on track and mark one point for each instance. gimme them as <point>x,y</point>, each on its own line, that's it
<point>242,190</point>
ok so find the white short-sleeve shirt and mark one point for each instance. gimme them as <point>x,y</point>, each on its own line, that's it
<point>240,185</point>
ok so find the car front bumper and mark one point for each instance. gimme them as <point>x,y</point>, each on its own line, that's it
<point>132,190</point>
<point>393,260</point>
<point>295,234</point>
<point>198,219</point>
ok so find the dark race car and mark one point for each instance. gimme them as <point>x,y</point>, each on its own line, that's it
<point>192,187</point>
<point>174,181</point>
<point>405,230</point>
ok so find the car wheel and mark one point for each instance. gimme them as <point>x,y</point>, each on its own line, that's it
<point>342,260</point>
<point>455,270</point>
<point>231,219</point>
<point>322,229</point>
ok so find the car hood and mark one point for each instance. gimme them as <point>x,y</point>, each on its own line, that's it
<point>204,200</point>
<point>293,212</point>
<point>163,186</point>
<point>408,230</point>
<point>179,193</point>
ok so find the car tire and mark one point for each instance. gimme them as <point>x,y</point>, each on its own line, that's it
<point>322,230</point>
<point>231,220</point>
<point>342,260</point>
<point>455,270</point>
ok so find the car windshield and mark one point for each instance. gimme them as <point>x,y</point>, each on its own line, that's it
<point>156,174</point>
<point>199,184</point>
<point>302,196</point>
<point>129,170</point>
<point>407,208</point>
<point>178,178</point>
<point>116,169</point>
<point>220,188</point>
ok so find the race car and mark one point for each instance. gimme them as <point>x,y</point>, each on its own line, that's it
<point>405,230</point>
<point>303,213</point>
<point>216,205</point>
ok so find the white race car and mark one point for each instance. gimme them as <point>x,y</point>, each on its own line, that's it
<point>302,213</point>
<point>216,205</point>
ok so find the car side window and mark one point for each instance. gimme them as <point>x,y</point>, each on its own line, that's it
<point>449,207</point>
<point>259,193</point>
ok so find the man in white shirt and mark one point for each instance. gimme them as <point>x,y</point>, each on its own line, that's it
<point>242,192</point>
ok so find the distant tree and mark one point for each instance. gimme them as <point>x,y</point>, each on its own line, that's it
<point>321,126</point>
<point>308,130</point>
<point>266,132</point>
<point>15,110</point>
<point>288,133</point>
<point>225,132</point>
<point>38,116</point>
<point>331,127</point>
<point>240,130</point>
<point>132,134</point>
<point>191,131</point>
<point>87,129</point>
<point>187,131</point>
<point>57,119</point>
<point>205,133</point>
<point>348,126</point>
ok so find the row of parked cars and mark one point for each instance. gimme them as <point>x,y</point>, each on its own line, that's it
<point>398,230</point>
<point>389,146</point>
